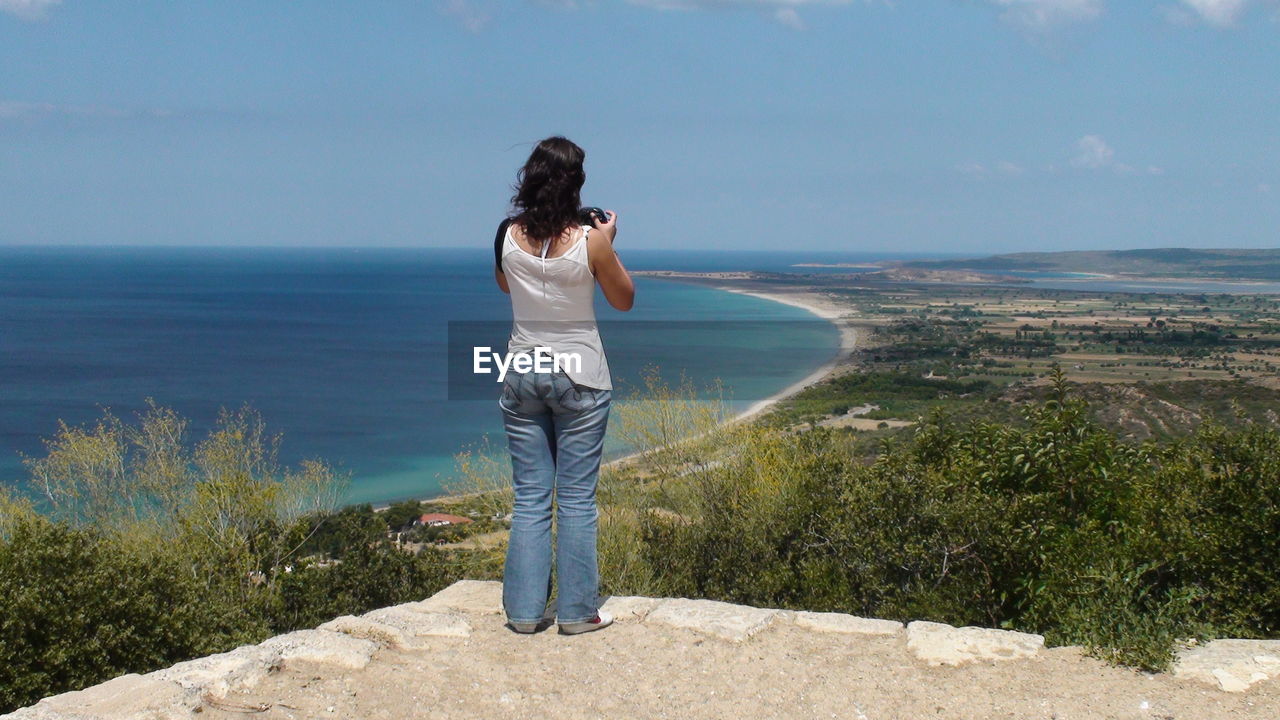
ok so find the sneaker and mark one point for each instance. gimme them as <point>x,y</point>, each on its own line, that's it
<point>599,622</point>
<point>548,619</point>
<point>527,628</point>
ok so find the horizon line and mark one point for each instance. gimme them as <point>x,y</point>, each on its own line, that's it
<point>203,246</point>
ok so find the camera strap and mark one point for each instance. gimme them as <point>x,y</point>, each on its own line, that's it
<point>498,241</point>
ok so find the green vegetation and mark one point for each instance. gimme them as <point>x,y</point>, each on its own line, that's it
<point>1150,364</point>
<point>896,393</point>
<point>1200,264</point>
<point>1001,504</point>
<point>144,550</point>
<point>1056,526</point>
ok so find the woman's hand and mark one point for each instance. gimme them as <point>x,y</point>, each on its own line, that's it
<point>610,228</point>
<point>614,279</point>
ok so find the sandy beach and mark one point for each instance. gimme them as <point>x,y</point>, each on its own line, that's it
<point>820,306</point>
<point>812,301</point>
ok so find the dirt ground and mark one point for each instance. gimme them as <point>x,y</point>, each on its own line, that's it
<point>634,670</point>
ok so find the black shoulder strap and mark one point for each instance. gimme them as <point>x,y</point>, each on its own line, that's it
<point>497,243</point>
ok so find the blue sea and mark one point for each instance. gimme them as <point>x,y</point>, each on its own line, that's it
<point>342,350</point>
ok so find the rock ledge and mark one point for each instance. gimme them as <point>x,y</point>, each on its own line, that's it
<point>351,643</point>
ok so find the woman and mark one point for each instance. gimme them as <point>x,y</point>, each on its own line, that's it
<point>549,262</point>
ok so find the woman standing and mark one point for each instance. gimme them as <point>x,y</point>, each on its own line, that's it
<point>549,262</point>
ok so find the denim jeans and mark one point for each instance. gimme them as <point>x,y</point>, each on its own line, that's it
<point>555,431</point>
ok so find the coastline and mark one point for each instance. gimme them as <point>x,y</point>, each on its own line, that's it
<point>803,298</point>
<point>806,299</point>
<point>815,304</point>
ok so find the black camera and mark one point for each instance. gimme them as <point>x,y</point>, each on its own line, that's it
<point>589,215</point>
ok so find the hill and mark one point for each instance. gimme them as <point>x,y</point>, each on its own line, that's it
<point>1252,264</point>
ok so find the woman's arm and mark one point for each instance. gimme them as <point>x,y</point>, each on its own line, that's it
<point>501,277</point>
<point>605,265</point>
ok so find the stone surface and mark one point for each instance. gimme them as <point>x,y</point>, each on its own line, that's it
<point>351,642</point>
<point>625,607</point>
<point>841,623</point>
<point>365,629</point>
<point>721,619</point>
<point>939,644</point>
<point>323,646</point>
<point>422,624</point>
<point>1230,665</point>
<point>240,669</point>
<point>128,697</point>
<point>468,596</point>
<point>400,627</point>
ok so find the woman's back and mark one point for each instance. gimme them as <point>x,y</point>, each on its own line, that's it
<point>552,304</point>
<point>546,287</point>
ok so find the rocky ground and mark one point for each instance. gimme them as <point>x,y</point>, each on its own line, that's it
<point>451,657</point>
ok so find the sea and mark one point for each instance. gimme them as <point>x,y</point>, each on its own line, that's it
<point>343,351</point>
<point>351,354</point>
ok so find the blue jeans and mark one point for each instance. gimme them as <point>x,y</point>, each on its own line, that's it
<point>555,431</point>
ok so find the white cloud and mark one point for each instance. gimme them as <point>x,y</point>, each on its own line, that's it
<point>1041,15</point>
<point>1093,152</point>
<point>789,17</point>
<point>1038,15</point>
<point>1220,13</point>
<point>27,9</point>
<point>785,12</point>
<point>470,14</point>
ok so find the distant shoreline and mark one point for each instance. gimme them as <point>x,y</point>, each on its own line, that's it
<point>804,299</point>
<point>817,305</point>
<point>808,300</point>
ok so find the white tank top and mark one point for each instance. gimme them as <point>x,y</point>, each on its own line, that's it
<point>552,305</point>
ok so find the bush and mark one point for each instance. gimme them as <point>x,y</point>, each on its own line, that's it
<point>80,607</point>
<point>371,573</point>
<point>146,550</point>
<point>1056,525</point>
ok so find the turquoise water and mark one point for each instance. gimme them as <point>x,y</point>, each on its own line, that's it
<point>341,350</point>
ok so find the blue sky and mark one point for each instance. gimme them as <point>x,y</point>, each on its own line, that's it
<point>916,125</point>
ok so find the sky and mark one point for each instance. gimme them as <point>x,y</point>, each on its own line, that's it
<point>973,126</point>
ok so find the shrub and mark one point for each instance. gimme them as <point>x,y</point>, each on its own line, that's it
<point>78,606</point>
<point>1055,525</point>
<point>144,550</point>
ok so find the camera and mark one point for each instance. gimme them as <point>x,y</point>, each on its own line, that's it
<point>589,215</point>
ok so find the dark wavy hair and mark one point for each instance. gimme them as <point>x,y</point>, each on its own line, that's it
<point>548,189</point>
